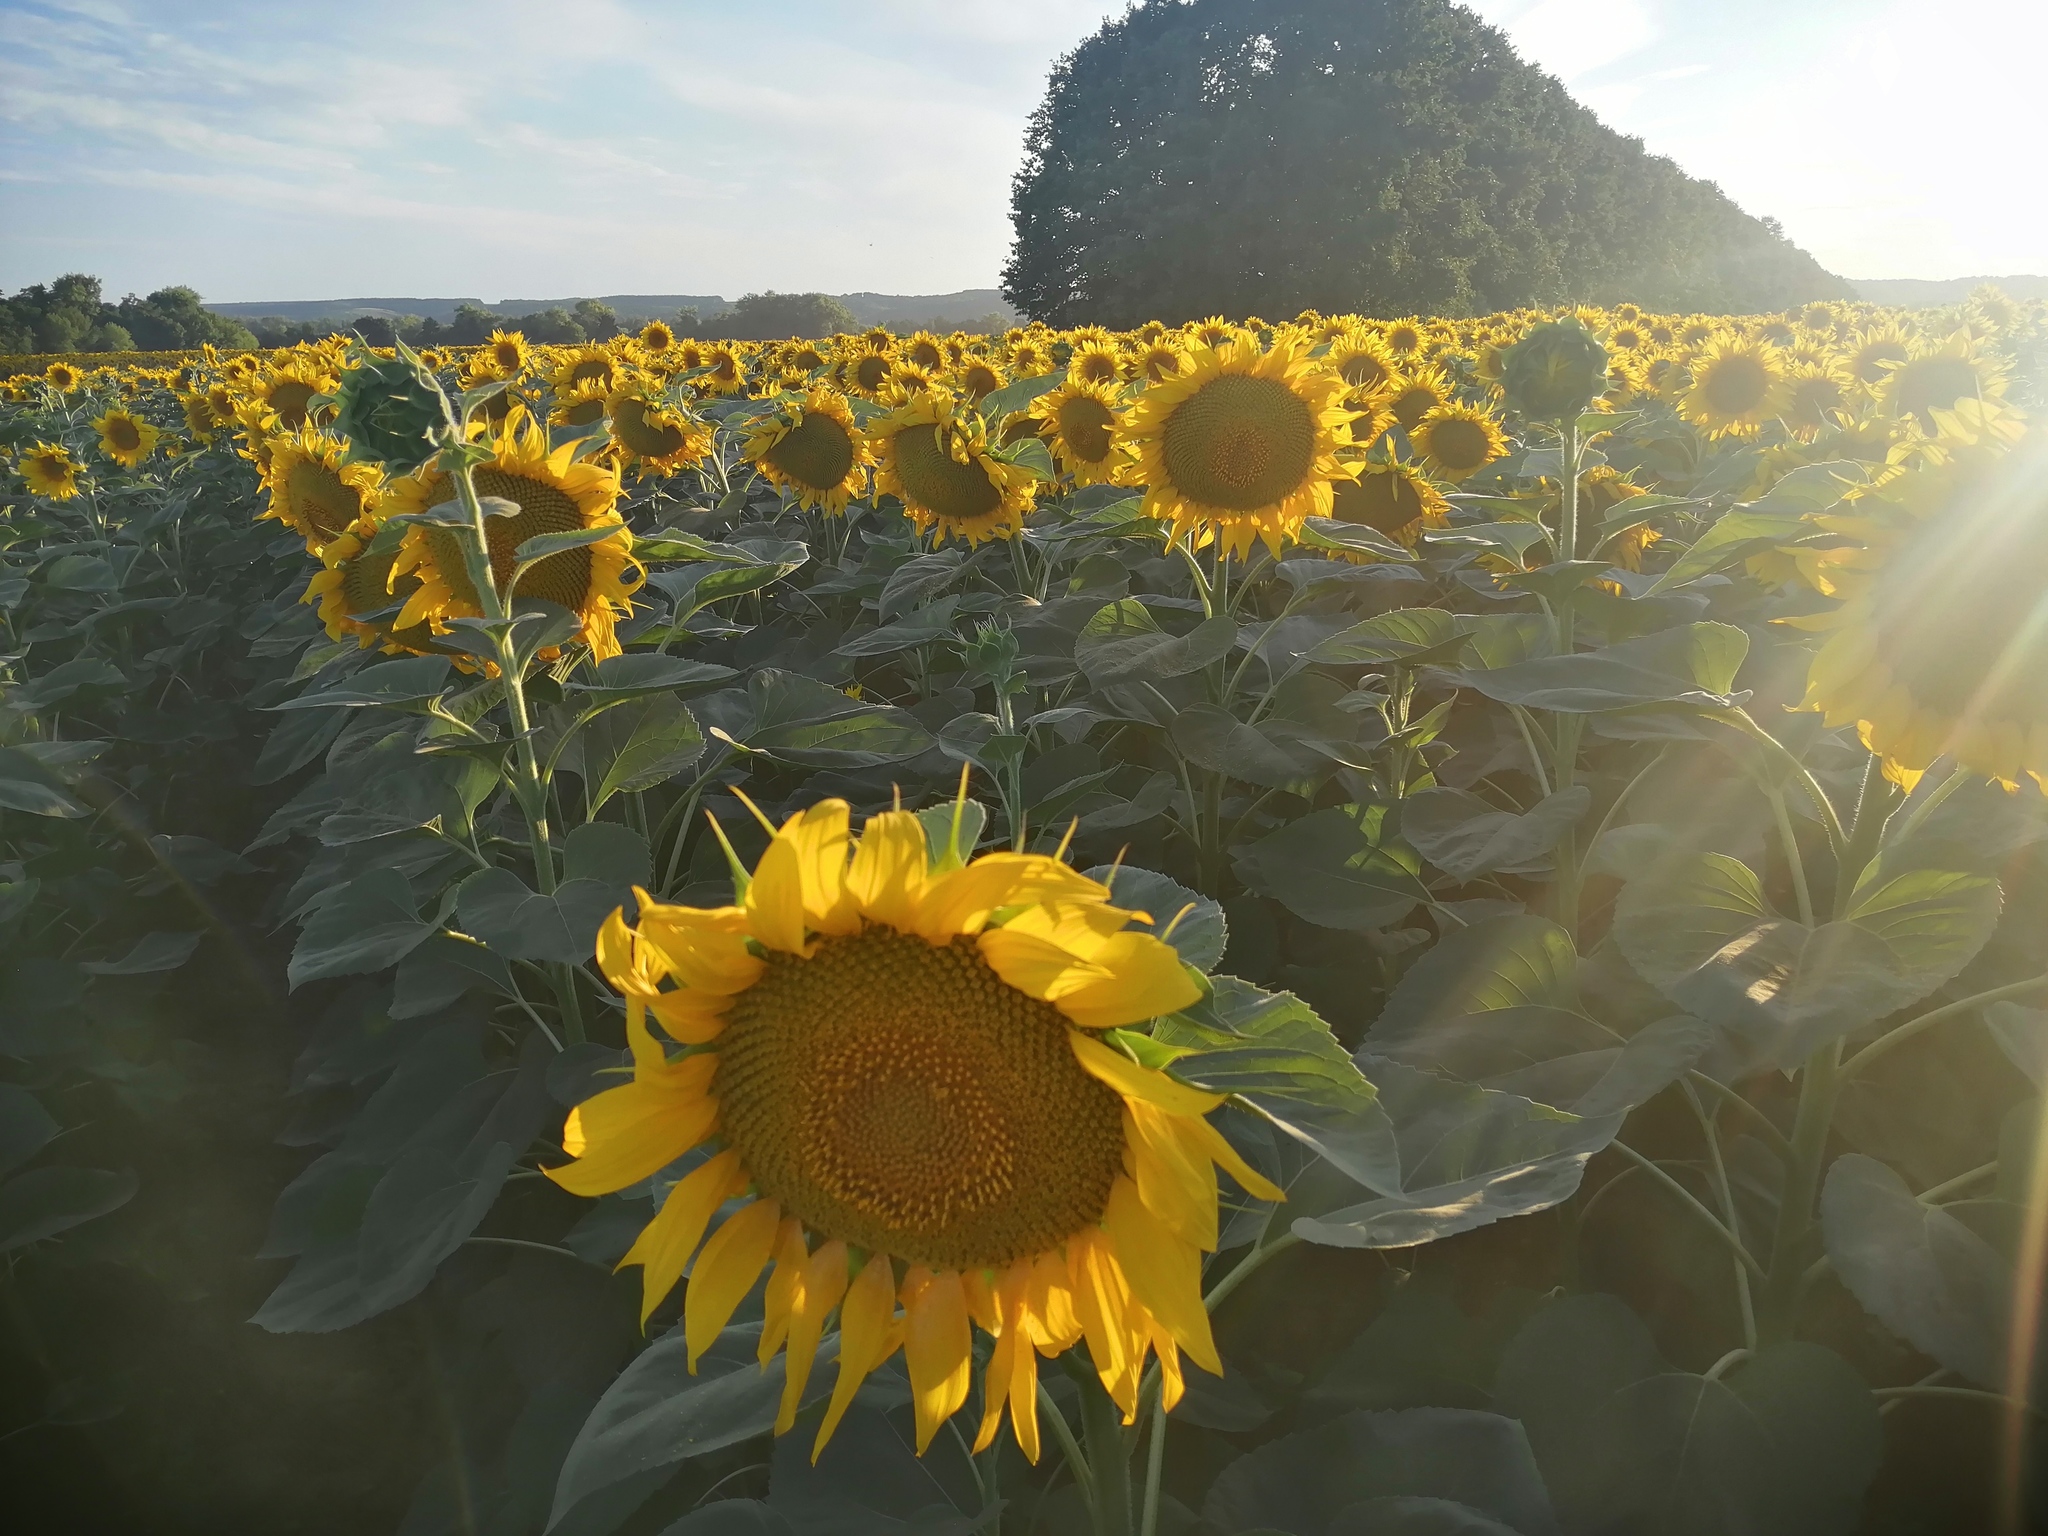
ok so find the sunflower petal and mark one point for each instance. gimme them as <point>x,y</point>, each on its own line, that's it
<point>1135,1082</point>
<point>774,901</point>
<point>665,1244</point>
<point>888,875</point>
<point>962,901</point>
<point>823,1284</point>
<point>725,1271</point>
<point>628,1133</point>
<point>1165,1273</point>
<point>792,1257</point>
<point>1175,1178</point>
<point>937,1346</point>
<point>868,1335</point>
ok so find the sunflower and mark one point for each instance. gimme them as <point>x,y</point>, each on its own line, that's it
<point>804,356</point>
<point>554,494</point>
<point>977,378</point>
<point>1079,421</point>
<point>726,373</point>
<point>1816,395</point>
<point>1457,441</point>
<point>657,439</point>
<point>1414,393</point>
<point>279,397</point>
<point>866,370</point>
<point>901,1065</point>
<point>48,469</point>
<point>506,353</point>
<point>62,377</point>
<point>313,488</point>
<point>1028,360</point>
<point>1737,385</point>
<point>200,418</point>
<point>126,438</point>
<point>1157,360</point>
<point>1244,442</point>
<point>1362,359</point>
<point>1212,332</point>
<point>925,350</point>
<point>1391,496</point>
<point>812,448</point>
<point>1933,378</point>
<point>1870,359</point>
<point>935,457</point>
<point>1096,362</point>
<point>1403,337</point>
<point>355,580</point>
<point>655,338</point>
<point>585,374</point>
<point>1940,646</point>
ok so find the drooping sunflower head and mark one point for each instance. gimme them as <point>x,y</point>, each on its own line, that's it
<point>1457,441</point>
<point>1737,385</point>
<point>554,494</point>
<point>1391,496</point>
<point>936,458</point>
<point>812,448</point>
<point>1934,377</point>
<point>1243,444</point>
<point>48,470</point>
<point>657,438</point>
<point>314,490</point>
<point>900,1055</point>
<point>1079,420</point>
<point>126,438</point>
<point>1940,647</point>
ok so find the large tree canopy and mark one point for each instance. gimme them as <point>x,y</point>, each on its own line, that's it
<point>1385,156</point>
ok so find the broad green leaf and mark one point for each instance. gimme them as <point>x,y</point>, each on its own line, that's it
<point>1515,961</point>
<point>1692,664</point>
<point>1701,932</point>
<point>1463,835</point>
<point>639,744</point>
<point>1341,538</point>
<point>1016,395</point>
<point>1199,934</point>
<point>27,785</point>
<point>635,673</point>
<point>79,573</point>
<point>151,953</point>
<point>1273,1051</point>
<point>1123,644</point>
<point>1513,539</point>
<point>925,626</point>
<point>1917,1269</point>
<point>421,1210</point>
<point>1211,737</point>
<point>1406,637</point>
<point>410,680</point>
<point>366,925</point>
<point>613,855</point>
<point>1336,868</point>
<point>25,1126</point>
<point>495,905</point>
<point>46,1201</point>
<point>542,545</point>
<point>919,579</point>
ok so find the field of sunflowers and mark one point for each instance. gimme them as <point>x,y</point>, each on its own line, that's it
<point>1334,926</point>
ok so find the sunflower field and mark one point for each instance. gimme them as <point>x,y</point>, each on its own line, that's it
<point>1334,926</point>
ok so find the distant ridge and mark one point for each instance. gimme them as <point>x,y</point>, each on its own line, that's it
<point>868,308</point>
<point>1925,293</point>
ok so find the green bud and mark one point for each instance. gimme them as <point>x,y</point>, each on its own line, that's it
<point>393,410</point>
<point>1554,371</point>
<point>992,653</point>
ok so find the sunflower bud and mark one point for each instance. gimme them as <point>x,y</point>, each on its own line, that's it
<point>1554,371</point>
<point>392,410</point>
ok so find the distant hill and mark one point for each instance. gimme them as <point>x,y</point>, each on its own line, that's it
<point>868,308</point>
<point>1924,293</point>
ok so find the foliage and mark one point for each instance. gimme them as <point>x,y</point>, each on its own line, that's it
<point>1654,1081</point>
<point>762,316</point>
<point>69,315</point>
<point>1393,157</point>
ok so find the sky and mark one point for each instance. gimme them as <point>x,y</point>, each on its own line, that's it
<point>537,149</point>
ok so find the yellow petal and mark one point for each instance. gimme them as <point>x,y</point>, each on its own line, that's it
<point>1012,1373</point>
<point>775,898</point>
<point>1176,1180</point>
<point>962,901</point>
<point>822,1284</point>
<point>1165,1273</point>
<point>937,1347</point>
<point>822,845</point>
<point>1221,1151</point>
<point>665,1244</point>
<point>631,1132</point>
<point>1050,1314</point>
<point>1135,1082</point>
<point>1080,959</point>
<point>1147,979</point>
<point>792,1257</point>
<point>887,878</point>
<point>868,1335</point>
<point>1102,1299</point>
<point>725,1271</point>
<point>704,949</point>
<point>690,1018</point>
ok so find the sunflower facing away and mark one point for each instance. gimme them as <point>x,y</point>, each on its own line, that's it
<point>811,448</point>
<point>126,438</point>
<point>48,469</point>
<point>1940,647</point>
<point>899,1066</point>
<point>554,494</point>
<point>935,457</point>
<point>1243,442</point>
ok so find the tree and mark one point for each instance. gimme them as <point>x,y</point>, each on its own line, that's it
<point>178,317</point>
<point>1385,156</point>
<point>599,320</point>
<point>554,326</point>
<point>771,316</point>
<point>472,325</point>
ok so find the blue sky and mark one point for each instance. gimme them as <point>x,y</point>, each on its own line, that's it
<point>536,148</point>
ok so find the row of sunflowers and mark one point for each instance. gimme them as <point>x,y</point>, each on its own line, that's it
<point>1393,663</point>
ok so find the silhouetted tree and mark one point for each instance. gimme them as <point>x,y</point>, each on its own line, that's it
<point>771,315</point>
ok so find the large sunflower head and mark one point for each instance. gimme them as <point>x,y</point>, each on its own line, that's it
<point>1457,441</point>
<point>48,470</point>
<point>1028,359</point>
<point>505,354</point>
<point>554,494</point>
<point>1412,395</point>
<point>725,370</point>
<point>866,369</point>
<point>656,438</point>
<point>280,397</point>
<point>200,418</point>
<point>1095,362</point>
<point>1362,359</point>
<point>925,350</point>
<point>900,1062</point>
<point>935,457</point>
<point>314,489</point>
<point>1391,496</point>
<point>655,338</point>
<point>1933,377</point>
<point>1737,385</point>
<point>1940,646</point>
<point>126,438</point>
<point>812,448</point>
<point>585,373</point>
<point>976,378</point>
<point>1079,421</point>
<point>1403,338</point>
<point>1816,395</point>
<point>1870,358</point>
<point>357,592</point>
<point>1244,443</point>
<point>1157,360</point>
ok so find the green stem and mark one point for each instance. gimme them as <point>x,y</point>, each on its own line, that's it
<point>1917,817</point>
<point>1906,1031</point>
<point>1155,1463</point>
<point>1819,1086</point>
<point>1077,1463</point>
<point>1725,1193</point>
<point>1108,1458</point>
<point>1788,840</point>
<point>1892,1394</point>
<point>1691,1203</point>
<point>1246,1267</point>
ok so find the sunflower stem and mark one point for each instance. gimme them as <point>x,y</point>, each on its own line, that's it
<point>1155,1463</point>
<point>1819,1087</point>
<point>1108,1458</point>
<point>1077,1462</point>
